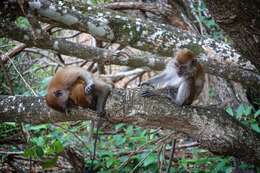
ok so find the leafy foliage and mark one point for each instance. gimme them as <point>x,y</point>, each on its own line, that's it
<point>246,115</point>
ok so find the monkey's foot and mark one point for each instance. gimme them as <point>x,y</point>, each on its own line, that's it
<point>89,89</point>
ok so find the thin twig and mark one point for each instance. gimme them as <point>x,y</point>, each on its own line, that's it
<point>172,155</point>
<point>27,85</point>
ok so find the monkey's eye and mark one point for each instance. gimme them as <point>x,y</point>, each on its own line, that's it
<point>57,93</point>
<point>194,62</point>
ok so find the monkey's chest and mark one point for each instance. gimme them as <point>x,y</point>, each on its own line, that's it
<point>79,98</point>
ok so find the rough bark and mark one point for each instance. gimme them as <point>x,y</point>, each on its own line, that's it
<point>211,127</point>
<point>117,27</point>
<point>240,20</point>
<point>104,56</point>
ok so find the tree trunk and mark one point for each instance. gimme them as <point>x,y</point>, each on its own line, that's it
<point>241,21</point>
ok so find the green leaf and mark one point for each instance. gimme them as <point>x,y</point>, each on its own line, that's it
<point>129,130</point>
<point>40,141</point>
<point>247,110</point>
<point>109,162</point>
<point>23,22</point>
<point>106,153</point>
<point>119,126</point>
<point>39,127</point>
<point>50,163</point>
<point>119,140</point>
<point>58,147</point>
<point>257,113</point>
<point>240,111</point>
<point>230,111</point>
<point>29,152</point>
<point>229,169</point>
<point>150,160</point>
<point>255,127</point>
<point>220,166</point>
<point>39,151</point>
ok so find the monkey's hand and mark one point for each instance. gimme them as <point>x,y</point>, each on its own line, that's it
<point>145,84</point>
<point>147,93</point>
<point>89,89</point>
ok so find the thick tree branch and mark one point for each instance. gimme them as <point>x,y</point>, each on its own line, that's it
<point>228,71</point>
<point>149,7</point>
<point>114,26</point>
<point>213,128</point>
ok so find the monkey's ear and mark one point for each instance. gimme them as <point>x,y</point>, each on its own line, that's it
<point>57,93</point>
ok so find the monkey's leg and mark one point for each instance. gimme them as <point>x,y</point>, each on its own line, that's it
<point>102,91</point>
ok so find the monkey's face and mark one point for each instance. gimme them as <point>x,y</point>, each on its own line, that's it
<point>186,69</point>
<point>58,100</point>
<point>180,68</point>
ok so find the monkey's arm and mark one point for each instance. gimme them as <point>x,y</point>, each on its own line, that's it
<point>156,80</point>
<point>74,73</point>
<point>185,94</point>
<point>168,92</point>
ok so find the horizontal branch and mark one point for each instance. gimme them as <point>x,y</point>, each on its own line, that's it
<point>112,26</point>
<point>156,62</point>
<point>212,128</point>
<point>143,6</point>
<point>142,34</point>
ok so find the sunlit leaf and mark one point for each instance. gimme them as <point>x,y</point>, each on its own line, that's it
<point>255,127</point>
<point>257,113</point>
<point>58,147</point>
<point>230,111</point>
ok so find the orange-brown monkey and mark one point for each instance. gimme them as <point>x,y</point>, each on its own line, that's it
<point>75,86</point>
<point>183,73</point>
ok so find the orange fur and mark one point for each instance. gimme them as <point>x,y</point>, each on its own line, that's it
<point>77,95</point>
<point>184,55</point>
<point>69,84</point>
